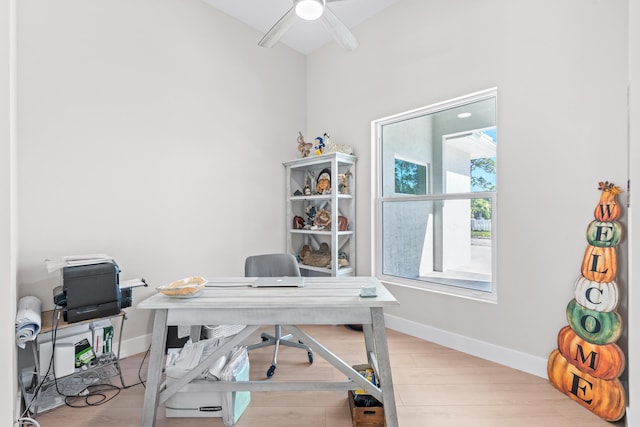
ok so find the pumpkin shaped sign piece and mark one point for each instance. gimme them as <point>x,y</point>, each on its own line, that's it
<point>608,208</point>
<point>605,398</point>
<point>604,234</point>
<point>599,264</point>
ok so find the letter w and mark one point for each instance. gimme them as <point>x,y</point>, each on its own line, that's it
<point>608,208</point>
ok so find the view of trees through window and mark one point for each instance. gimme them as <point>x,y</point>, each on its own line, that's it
<point>482,170</point>
<point>411,178</point>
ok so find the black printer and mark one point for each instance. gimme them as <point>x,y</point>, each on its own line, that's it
<point>91,291</point>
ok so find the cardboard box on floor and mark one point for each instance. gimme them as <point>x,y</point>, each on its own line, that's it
<point>365,416</point>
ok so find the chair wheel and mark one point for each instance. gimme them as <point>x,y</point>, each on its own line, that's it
<point>271,371</point>
<point>310,357</point>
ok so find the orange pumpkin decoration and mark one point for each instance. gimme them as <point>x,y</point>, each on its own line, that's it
<point>608,208</point>
<point>599,264</point>
<point>605,398</point>
<point>606,362</point>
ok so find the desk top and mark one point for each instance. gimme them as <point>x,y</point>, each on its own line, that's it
<point>318,292</point>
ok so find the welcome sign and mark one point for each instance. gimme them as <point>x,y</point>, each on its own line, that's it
<point>587,364</point>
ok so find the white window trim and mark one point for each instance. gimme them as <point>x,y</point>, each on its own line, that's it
<point>377,202</point>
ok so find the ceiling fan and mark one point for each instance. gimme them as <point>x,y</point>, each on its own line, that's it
<point>311,10</point>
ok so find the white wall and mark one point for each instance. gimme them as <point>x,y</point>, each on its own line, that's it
<point>153,131</point>
<point>633,412</point>
<point>561,73</point>
<point>8,205</point>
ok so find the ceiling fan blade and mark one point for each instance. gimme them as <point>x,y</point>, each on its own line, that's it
<point>279,28</point>
<point>340,33</point>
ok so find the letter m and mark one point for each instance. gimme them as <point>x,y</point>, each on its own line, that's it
<point>583,359</point>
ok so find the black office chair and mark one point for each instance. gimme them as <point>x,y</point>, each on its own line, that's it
<point>274,265</point>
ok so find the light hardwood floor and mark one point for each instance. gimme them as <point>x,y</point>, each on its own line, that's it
<point>434,386</point>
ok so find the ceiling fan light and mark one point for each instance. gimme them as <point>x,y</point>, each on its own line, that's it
<point>309,9</point>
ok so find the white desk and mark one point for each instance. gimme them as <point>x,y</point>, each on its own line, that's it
<point>323,301</point>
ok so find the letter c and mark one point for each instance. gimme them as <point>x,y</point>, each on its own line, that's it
<point>588,292</point>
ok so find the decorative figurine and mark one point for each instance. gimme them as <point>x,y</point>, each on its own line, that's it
<point>343,223</point>
<point>307,189</point>
<point>326,140</point>
<point>322,219</point>
<point>304,147</point>
<point>344,186</point>
<point>332,147</point>
<point>343,260</point>
<point>319,258</point>
<point>319,147</point>
<point>310,211</point>
<point>298,222</point>
<point>323,185</point>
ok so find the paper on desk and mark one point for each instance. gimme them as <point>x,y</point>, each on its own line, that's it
<point>133,283</point>
<point>75,260</point>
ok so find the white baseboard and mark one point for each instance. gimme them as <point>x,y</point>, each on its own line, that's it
<point>513,359</point>
<point>135,345</point>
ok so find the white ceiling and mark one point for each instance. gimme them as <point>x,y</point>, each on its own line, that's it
<point>304,36</point>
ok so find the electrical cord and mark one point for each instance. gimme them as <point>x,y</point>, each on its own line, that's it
<point>143,382</point>
<point>26,422</point>
<point>92,395</point>
<point>38,387</point>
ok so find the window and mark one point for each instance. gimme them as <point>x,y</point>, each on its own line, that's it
<point>411,177</point>
<point>436,196</point>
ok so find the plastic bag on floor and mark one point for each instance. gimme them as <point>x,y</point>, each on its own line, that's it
<point>236,369</point>
<point>190,355</point>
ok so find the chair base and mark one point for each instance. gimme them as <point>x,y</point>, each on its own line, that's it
<point>277,340</point>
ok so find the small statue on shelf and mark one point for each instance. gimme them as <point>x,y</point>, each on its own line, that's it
<point>304,147</point>
<point>343,260</point>
<point>310,211</point>
<point>319,147</point>
<point>343,187</point>
<point>298,222</point>
<point>322,220</point>
<point>343,223</point>
<point>323,185</point>
<point>332,147</point>
<point>307,188</point>
<point>319,258</point>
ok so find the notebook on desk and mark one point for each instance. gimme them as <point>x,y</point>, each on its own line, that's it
<point>279,282</point>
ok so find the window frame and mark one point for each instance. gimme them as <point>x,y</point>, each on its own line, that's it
<point>378,201</point>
